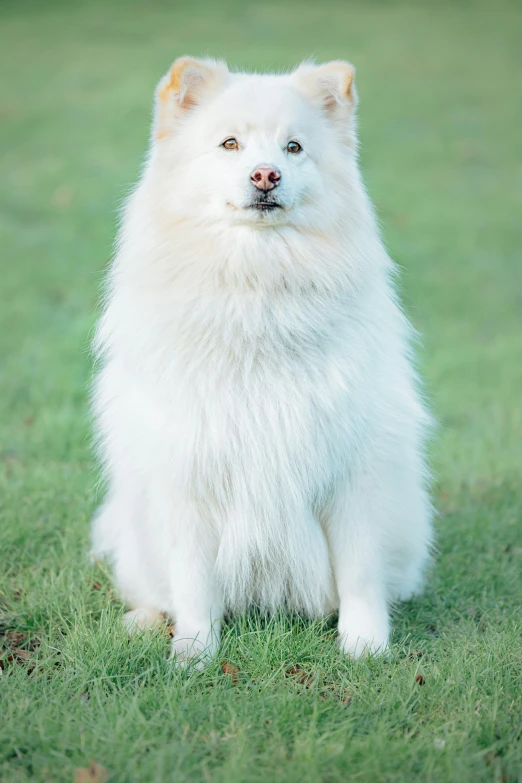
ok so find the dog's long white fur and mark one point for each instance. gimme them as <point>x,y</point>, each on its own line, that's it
<point>257,411</point>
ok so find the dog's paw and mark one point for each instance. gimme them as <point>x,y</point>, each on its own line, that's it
<point>358,646</point>
<point>363,632</point>
<point>141,619</point>
<point>194,649</point>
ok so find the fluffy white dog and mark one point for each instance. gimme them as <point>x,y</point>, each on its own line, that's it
<point>256,405</point>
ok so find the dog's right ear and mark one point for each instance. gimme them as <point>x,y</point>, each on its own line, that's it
<point>185,86</point>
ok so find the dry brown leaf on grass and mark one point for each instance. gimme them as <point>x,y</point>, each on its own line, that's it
<point>94,773</point>
<point>300,675</point>
<point>325,688</point>
<point>12,652</point>
<point>19,656</point>
<point>231,670</point>
<point>14,638</point>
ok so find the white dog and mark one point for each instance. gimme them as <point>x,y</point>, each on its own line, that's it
<point>256,405</point>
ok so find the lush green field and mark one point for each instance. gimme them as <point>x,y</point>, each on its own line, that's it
<point>440,122</point>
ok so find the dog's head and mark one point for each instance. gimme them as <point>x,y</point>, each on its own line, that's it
<point>254,149</point>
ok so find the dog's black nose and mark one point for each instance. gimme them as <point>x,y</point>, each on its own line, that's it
<point>265,178</point>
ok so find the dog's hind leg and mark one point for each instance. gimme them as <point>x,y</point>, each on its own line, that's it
<point>118,534</point>
<point>141,619</point>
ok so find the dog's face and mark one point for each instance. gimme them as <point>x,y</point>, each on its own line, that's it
<point>251,149</point>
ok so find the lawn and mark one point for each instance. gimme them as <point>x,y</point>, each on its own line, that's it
<point>440,89</point>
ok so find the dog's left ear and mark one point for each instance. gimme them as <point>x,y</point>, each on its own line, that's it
<point>331,85</point>
<point>185,86</point>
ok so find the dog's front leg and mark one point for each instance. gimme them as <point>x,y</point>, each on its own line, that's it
<point>355,549</point>
<point>196,603</point>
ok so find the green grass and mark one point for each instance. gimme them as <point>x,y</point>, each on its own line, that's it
<point>440,119</point>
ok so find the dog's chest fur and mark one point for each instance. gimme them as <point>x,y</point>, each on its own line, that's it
<point>269,405</point>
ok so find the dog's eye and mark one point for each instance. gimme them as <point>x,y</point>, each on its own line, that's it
<point>294,147</point>
<point>230,144</point>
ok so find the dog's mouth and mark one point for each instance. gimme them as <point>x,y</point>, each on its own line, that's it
<point>265,205</point>
<point>262,206</point>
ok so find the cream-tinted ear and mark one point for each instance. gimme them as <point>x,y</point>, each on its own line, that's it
<point>332,85</point>
<point>186,85</point>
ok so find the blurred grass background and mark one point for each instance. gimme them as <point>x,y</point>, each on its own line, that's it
<point>440,88</point>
